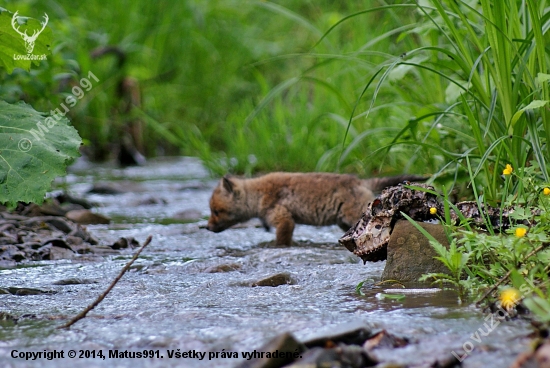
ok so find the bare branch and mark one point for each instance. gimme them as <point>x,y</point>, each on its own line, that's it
<point>104,294</point>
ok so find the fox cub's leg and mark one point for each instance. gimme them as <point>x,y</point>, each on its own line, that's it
<point>281,218</point>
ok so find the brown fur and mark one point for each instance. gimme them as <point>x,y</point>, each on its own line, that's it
<point>285,199</point>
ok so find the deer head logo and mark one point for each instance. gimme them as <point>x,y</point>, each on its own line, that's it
<point>29,40</point>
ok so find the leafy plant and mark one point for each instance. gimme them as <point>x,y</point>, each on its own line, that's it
<point>34,148</point>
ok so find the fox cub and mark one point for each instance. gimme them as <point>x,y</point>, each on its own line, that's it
<point>283,199</point>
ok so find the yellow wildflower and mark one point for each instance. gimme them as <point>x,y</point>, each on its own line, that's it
<point>509,297</point>
<point>520,232</point>
<point>546,191</point>
<point>433,210</point>
<point>508,170</point>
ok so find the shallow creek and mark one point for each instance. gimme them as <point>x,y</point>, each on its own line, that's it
<point>171,300</point>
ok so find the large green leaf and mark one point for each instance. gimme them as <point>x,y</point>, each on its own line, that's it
<point>12,45</point>
<point>34,150</point>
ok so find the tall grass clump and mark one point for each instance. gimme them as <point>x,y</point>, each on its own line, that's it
<point>500,51</point>
<point>490,58</point>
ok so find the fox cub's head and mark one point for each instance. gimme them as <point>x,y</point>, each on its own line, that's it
<point>226,205</point>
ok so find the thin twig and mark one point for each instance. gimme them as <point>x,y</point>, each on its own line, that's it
<point>104,294</point>
<point>533,252</point>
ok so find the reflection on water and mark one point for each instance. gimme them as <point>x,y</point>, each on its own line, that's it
<point>171,299</point>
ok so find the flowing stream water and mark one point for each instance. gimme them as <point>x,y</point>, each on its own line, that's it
<point>170,299</point>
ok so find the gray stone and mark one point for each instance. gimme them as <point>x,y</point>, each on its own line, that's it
<point>410,254</point>
<point>109,189</point>
<point>86,217</point>
<point>285,344</point>
<point>57,253</point>
<point>225,267</point>
<point>20,291</point>
<point>347,333</point>
<point>383,339</point>
<point>317,357</point>
<point>74,281</point>
<point>282,278</point>
<point>340,356</point>
<point>123,243</point>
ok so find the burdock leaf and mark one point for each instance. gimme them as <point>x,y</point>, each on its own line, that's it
<point>34,150</point>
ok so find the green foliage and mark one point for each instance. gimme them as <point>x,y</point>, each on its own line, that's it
<point>498,65</point>
<point>35,149</point>
<point>518,257</point>
<point>358,288</point>
<point>391,296</point>
<point>293,85</point>
<point>238,84</point>
<point>540,307</point>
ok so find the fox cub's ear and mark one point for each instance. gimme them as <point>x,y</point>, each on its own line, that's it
<point>228,184</point>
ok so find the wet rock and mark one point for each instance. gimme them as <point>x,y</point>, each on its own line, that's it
<point>340,356</point>
<point>56,242</point>
<point>446,361</point>
<point>227,267</point>
<point>57,222</point>
<point>102,250</point>
<point>286,344</point>
<point>82,248</point>
<point>21,291</point>
<point>71,207</point>
<point>123,243</point>
<point>81,232</point>
<point>151,201</point>
<point>74,240</point>
<point>11,252</point>
<point>17,256</point>
<point>42,238</point>
<point>6,239</point>
<point>12,216</point>
<point>383,339</point>
<point>108,189</point>
<point>51,209</point>
<point>74,281</point>
<point>29,210</point>
<point>348,333</point>
<point>410,254</point>
<point>316,357</point>
<point>66,198</point>
<point>278,279</point>
<point>57,253</point>
<point>87,217</point>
